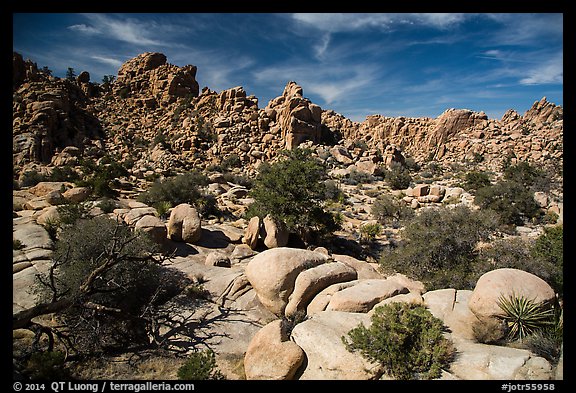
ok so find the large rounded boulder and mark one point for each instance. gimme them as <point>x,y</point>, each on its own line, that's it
<point>272,274</point>
<point>507,283</point>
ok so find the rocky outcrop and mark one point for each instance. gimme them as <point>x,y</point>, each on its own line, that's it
<point>149,78</point>
<point>462,135</point>
<point>298,118</point>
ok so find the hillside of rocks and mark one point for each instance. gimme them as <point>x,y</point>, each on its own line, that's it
<point>155,116</point>
<point>157,122</point>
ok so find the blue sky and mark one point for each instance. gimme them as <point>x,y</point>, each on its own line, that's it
<point>406,64</point>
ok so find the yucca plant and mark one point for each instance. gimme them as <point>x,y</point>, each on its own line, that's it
<point>524,316</point>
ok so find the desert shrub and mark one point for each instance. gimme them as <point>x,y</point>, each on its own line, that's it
<point>200,366</point>
<point>398,177</point>
<point>489,331</point>
<point>102,262</point>
<point>439,247</point>
<point>238,179</point>
<point>17,244</point>
<point>184,188</point>
<point>231,161</point>
<point>549,250</point>
<point>406,339</point>
<point>162,208</point>
<point>524,173</point>
<point>292,190</point>
<point>547,342</point>
<point>47,366</point>
<point>64,173</point>
<point>387,209</point>
<point>475,180</point>
<point>107,205</point>
<point>31,178</point>
<point>513,202</point>
<point>518,253</point>
<point>333,192</point>
<point>102,177</point>
<point>368,232</point>
<point>434,168</point>
<point>69,213</point>
<point>358,177</point>
<point>411,164</point>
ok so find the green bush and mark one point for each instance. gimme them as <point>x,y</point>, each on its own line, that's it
<point>513,202</point>
<point>523,173</point>
<point>334,192</point>
<point>64,173</point>
<point>518,253</point>
<point>200,366</point>
<point>475,180</point>
<point>489,331</point>
<point>368,232</point>
<point>47,366</point>
<point>398,177</point>
<point>358,177</point>
<point>549,249</point>
<point>406,339</point>
<point>101,261</point>
<point>293,191</point>
<point>102,176</point>
<point>31,178</point>
<point>439,247</point>
<point>411,164</point>
<point>184,188</point>
<point>231,161</point>
<point>387,209</point>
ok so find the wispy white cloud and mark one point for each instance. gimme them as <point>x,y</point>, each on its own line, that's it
<point>550,71</point>
<point>85,29</point>
<point>107,60</point>
<point>322,46</point>
<point>525,29</point>
<point>129,30</point>
<point>337,22</point>
<point>330,83</point>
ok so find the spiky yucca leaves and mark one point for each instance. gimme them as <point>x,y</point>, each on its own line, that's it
<point>524,316</point>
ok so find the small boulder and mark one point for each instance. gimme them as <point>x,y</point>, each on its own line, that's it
<point>251,234</point>
<point>184,224</point>
<point>271,355</point>
<point>154,227</point>
<point>217,258</point>
<point>274,232</point>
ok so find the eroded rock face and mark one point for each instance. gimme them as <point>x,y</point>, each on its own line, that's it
<point>150,74</point>
<point>299,119</point>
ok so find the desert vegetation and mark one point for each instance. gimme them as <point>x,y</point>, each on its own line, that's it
<point>198,237</point>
